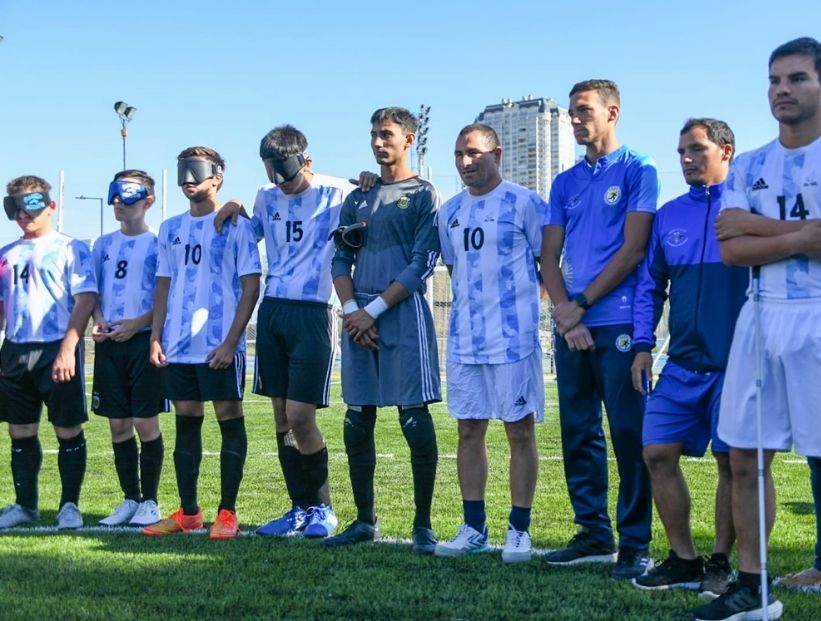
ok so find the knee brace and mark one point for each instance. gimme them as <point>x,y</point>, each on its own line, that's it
<point>358,433</point>
<point>417,427</point>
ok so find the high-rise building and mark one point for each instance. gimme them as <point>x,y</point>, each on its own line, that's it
<point>537,140</point>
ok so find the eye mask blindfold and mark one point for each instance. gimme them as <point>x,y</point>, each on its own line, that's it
<point>196,171</point>
<point>32,203</point>
<point>283,170</point>
<point>129,192</point>
<point>351,236</point>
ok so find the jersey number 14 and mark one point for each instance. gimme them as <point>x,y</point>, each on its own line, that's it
<point>798,211</point>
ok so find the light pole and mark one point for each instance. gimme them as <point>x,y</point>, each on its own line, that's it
<point>94,198</point>
<point>422,137</point>
<point>126,113</point>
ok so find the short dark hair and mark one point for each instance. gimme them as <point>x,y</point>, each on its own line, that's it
<point>803,46</point>
<point>206,152</point>
<point>27,183</point>
<point>608,90</point>
<point>486,130</point>
<point>133,173</point>
<point>718,132</point>
<point>282,142</point>
<point>401,116</point>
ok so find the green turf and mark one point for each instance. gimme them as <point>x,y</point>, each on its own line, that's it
<point>128,576</point>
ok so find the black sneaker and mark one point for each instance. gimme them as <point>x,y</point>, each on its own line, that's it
<point>356,532</point>
<point>582,548</point>
<point>739,602</point>
<point>631,563</point>
<point>717,576</point>
<point>674,572</point>
<point>424,540</point>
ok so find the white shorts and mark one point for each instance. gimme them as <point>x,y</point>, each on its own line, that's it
<point>791,386</point>
<point>507,392</point>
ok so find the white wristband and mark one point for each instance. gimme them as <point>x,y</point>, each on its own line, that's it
<point>349,307</point>
<point>376,307</point>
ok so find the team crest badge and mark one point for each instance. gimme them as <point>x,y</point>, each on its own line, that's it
<point>95,400</point>
<point>613,194</point>
<point>624,342</point>
<point>403,203</point>
<point>676,238</point>
<point>574,202</point>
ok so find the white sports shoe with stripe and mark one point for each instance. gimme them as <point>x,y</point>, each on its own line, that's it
<point>122,513</point>
<point>467,541</point>
<point>518,547</point>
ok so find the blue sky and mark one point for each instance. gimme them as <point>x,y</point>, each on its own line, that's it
<point>223,73</point>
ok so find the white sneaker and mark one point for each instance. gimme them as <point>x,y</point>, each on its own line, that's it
<point>518,547</point>
<point>122,513</point>
<point>14,515</point>
<point>69,517</point>
<point>467,541</point>
<point>322,522</point>
<point>147,513</point>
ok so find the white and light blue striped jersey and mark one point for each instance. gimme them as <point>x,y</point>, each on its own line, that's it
<point>38,281</point>
<point>784,184</point>
<point>492,242</point>
<point>205,269</point>
<point>125,266</point>
<point>296,229</point>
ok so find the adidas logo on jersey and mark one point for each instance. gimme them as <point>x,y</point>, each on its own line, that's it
<point>490,219</point>
<point>362,205</point>
<point>760,184</point>
<point>455,223</point>
<point>520,401</point>
<point>176,241</point>
<point>106,257</point>
<point>276,217</point>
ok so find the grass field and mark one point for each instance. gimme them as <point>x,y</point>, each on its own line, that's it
<point>124,575</point>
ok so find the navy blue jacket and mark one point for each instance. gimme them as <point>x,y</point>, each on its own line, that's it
<point>705,295</point>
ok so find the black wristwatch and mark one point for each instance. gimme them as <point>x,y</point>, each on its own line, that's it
<point>582,301</point>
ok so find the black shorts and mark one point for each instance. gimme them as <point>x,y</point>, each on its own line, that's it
<point>295,350</point>
<point>126,384</point>
<point>199,382</point>
<point>26,384</point>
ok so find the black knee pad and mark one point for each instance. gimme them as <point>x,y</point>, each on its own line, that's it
<point>417,427</point>
<point>358,431</point>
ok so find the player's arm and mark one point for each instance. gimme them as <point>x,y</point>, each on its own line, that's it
<point>64,369</point>
<point>552,244</point>
<point>648,304</point>
<point>752,250</point>
<point>99,331</point>
<point>232,210</point>
<point>161,287</point>
<point>636,231</point>
<point>424,254</point>
<point>223,356</point>
<point>737,222</point>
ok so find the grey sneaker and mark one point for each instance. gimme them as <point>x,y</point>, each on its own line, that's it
<point>582,549</point>
<point>69,517</point>
<point>147,513</point>
<point>15,515</point>
<point>121,514</point>
<point>424,540</point>
<point>356,532</point>
<point>739,602</point>
<point>717,576</point>
<point>631,563</point>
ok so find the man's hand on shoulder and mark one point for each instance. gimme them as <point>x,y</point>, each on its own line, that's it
<point>232,209</point>
<point>366,180</point>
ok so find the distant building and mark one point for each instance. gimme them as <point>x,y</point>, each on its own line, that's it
<point>537,140</point>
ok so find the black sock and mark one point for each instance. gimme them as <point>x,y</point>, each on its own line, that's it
<point>315,474</point>
<point>232,460</point>
<point>290,461</point>
<point>417,427</point>
<point>361,450</point>
<point>151,458</point>
<point>126,461</point>
<point>26,459</point>
<point>71,462</point>
<point>751,581</point>
<point>187,458</point>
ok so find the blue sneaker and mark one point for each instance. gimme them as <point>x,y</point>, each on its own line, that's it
<point>292,524</point>
<point>322,522</point>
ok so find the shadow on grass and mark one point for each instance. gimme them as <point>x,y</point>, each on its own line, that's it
<point>800,508</point>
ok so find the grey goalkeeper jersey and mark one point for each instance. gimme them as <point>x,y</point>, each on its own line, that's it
<point>401,240</point>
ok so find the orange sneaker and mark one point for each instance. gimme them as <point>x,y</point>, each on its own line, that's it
<point>225,526</point>
<point>177,522</point>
